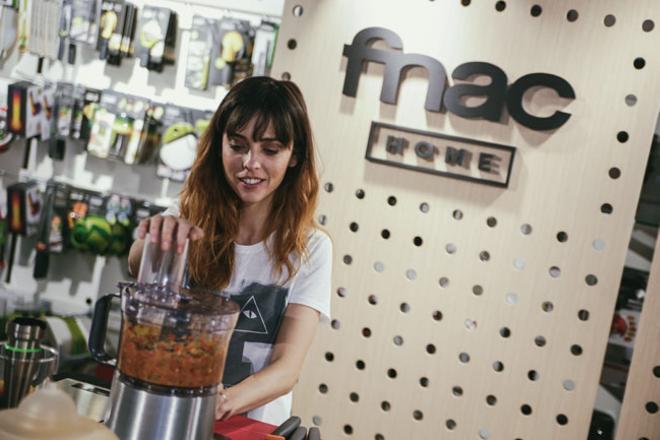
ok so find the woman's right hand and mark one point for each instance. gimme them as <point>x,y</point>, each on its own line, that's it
<point>169,231</point>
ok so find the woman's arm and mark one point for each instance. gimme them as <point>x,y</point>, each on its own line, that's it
<point>278,378</point>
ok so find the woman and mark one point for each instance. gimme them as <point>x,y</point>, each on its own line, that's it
<point>248,209</point>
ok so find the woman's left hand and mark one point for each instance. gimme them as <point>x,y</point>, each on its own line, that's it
<point>224,408</point>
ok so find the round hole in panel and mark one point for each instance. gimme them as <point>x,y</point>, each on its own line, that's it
<point>656,371</point>
<point>430,349</point>
<point>398,340</point>
<point>359,193</point>
<point>536,10</point>
<point>444,282</point>
<point>562,237</point>
<point>437,315</point>
<point>651,407</point>
<point>583,315</point>
<point>341,292</point>
<point>335,324</point>
<point>639,63</point>
<point>457,391</point>
<point>297,10</point>
<point>450,248</point>
<point>484,256</point>
<point>591,280</point>
<point>323,219</point>
<point>457,214</point>
<point>519,263</point>
<point>451,423</point>
<point>292,43</point>
<point>373,300</point>
<point>511,298</point>
<point>491,222</point>
<point>500,6</point>
<point>411,274</point>
<point>418,415</point>
<point>424,382</point>
<point>379,266</point>
<point>470,324</point>
<point>609,20</point>
<point>353,227</point>
<point>348,429</point>
<point>417,241</point>
<point>366,332</point>
<point>484,434</point>
<point>526,409</point>
<point>379,437</point>
<point>354,397</point>
<point>323,388</point>
<point>359,364</point>
<point>648,25</point>
<point>622,137</point>
<point>533,375</point>
<point>404,307</point>
<point>540,341</point>
<point>614,173</point>
<point>491,400</point>
<point>562,419</point>
<point>329,356</point>
<point>347,259</point>
<point>385,405</point>
<point>286,76</point>
<point>568,385</point>
<point>554,272</point>
<point>526,229</point>
<point>465,2</point>
<point>576,350</point>
<point>606,208</point>
<point>477,289</point>
<point>424,207</point>
<point>505,332</point>
<point>498,366</point>
<point>391,200</point>
<point>572,15</point>
<point>547,306</point>
<point>391,373</point>
<point>464,358</point>
<point>385,233</point>
<point>598,244</point>
<point>631,100</point>
<point>316,420</point>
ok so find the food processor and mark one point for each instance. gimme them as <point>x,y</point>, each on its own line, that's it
<point>171,356</point>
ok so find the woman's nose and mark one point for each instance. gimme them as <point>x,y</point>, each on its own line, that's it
<point>250,160</point>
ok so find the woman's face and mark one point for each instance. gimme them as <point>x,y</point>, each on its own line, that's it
<point>255,168</point>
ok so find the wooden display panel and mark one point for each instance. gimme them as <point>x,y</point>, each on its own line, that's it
<point>463,310</point>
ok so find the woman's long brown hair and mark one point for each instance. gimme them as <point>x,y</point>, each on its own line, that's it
<point>209,202</point>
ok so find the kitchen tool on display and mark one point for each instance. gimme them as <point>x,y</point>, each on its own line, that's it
<point>25,364</point>
<point>171,352</point>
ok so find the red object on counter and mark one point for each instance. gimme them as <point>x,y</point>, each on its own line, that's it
<point>243,428</point>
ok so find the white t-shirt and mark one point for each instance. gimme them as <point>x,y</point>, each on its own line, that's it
<point>263,300</point>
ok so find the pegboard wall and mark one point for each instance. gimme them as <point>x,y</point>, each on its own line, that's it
<point>463,310</point>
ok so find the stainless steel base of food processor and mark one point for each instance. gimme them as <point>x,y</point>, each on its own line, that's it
<point>138,414</point>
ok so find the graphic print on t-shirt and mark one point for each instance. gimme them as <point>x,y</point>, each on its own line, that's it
<point>262,310</point>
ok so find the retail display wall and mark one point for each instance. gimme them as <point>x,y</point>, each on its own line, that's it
<point>471,301</point>
<point>76,279</point>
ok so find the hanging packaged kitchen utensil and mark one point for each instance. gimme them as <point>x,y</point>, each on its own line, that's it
<point>62,120</point>
<point>24,206</point>
<point>84,27</point>
<point>5,135</point>
<point>45,27</point>
<point>86,102</point>
<point>111,11</point>
<point>199,52</point>
<point>265,39</point>
<point>179,143</point>
<point>156,37</point>
<point>121,40</point>
<point>231,51</point>
<point>8,31</point>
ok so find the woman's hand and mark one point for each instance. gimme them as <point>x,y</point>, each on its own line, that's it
<point>168,229</point>
<point>224,407</point>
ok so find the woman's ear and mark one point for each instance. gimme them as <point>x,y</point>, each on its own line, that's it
<point>293,161</point>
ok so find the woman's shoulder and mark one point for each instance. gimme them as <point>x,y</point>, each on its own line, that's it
<point>318,238</point>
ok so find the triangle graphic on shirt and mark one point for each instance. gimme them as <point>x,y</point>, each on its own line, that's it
<point>250,319</point>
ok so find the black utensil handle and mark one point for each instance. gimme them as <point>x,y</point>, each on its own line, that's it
<point>299,434</point>
<point>314,433</point>
<point>288,426</point>
<point>99,328</point>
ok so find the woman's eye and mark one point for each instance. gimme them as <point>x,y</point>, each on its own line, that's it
<point>271,151</point>
<point>236,147</point>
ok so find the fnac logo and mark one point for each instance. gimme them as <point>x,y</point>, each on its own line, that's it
<point>497,93</point>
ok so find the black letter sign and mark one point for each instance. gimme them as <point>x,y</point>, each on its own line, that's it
<point>495,92</point>
<point>524,83</point>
